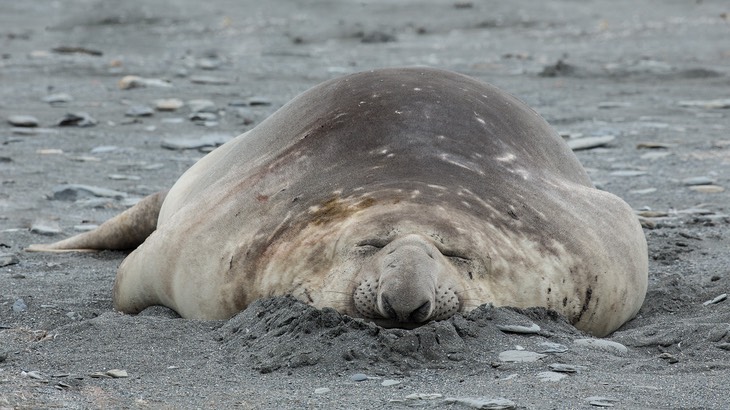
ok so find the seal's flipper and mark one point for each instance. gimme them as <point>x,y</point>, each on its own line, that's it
<point>125,231</point>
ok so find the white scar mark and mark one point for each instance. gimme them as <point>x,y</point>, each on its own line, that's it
<point>481,121</point>
<point>340,115</point>
<point>415,193</point>
<point>398,112</point>
<point>440,137</point>
<point>466,204</point>
<point>508,157</point>
<point>416,89</point>
<point>445,157</point>
<point>523,173</point>
<point>439,187</point>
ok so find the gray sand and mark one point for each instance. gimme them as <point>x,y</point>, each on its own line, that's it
<point>633,70</point>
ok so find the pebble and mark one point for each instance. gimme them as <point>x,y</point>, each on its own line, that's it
<point>210,80</point>
<point>670,358</point>
<point>7,259</point>
<point>599,401</point>
<point>551,376</point>
<point>551,347</point>
<point>85,227</point>
<point>102,149</point>
<point>259,101</point>
<point>654,145</point>
<point>47,228</point>
<point>718,103</point>
<point>520,356</point>
<point>169,104</point>
<point>139,111</point>
<point>602,344</point>
<point>209,63</point>
<point>73,192</point>
<point>643,191</point>
<point>577,144</point>
<point>707,189</point>
<point>133,81</point>
<point>613,104</point>
<point>655,155</point>
<point>23,121</point>
<point>33,131</point>
<point>19,306</point>
<point>702,180</point>
<point>566,368</point>
<point>34,375</point>
<point>628,173</point>
<point>117,373</point>
<point>390,382</point>
<point>49,151</point>
<point>203,116</point>
<point>532,329</point>
<point>121,177</point>
<point>321,390</point>
<point>58,98</point>
<point>482,403</point>
<point>423,396</point>
<point>358,377</point>
<point>194,143</point>
<point>202,106</point>
<point>717,299</point>
<point>77,119</point>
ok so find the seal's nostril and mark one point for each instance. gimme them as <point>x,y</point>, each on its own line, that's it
<point>390,313</point>
<point>421,314</point>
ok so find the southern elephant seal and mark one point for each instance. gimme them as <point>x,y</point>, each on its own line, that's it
<point>397,195</point>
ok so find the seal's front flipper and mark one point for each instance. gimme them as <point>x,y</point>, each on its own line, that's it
<point>125,231</point>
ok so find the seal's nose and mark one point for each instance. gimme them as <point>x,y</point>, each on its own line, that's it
<point>407,285</point>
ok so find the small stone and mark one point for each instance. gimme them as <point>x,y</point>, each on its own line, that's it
<point>133,81</point>
<point>551,347</point>
<point>23,121</point>
<point>258,101</point>
<point>703,180</point>
<point>99,375</point>
<point>613,104</point>
<point>202,106</point>
<point>643,191</point>
<point>121,177</point>
<point>321,390</point>
<point>532,329</point>
<point>85,227</point>
<point>423,396</point>
<point>194,143</point>
<point>390,382</point>
<point>47,228</point>
<point>32,131</point>
<point>707,189</point>
<point>717,299</point>
<point>35,375</point>
<point>49,151</point>
<point>117,373</point>
<point>565,368</point>
<point>203,116</point>
<point>358,377</point>
<point>599,401</point>
<point>74,316</point>
<point>77,119</point>
<point>628,173</point>
<point>73,192</point>
<point>710,104</point>
<point>670,358</point>
<point>209,63</point>
<point>168,104</point>
<point>482,403</point>
<point>655,155</point>
<point>7,259</point>
<point>654,145</point>
<point>139,111</point>
<point>551,376</point>
<point>205,79</point>
<point>520,356</point>
<point>602,344</point>
<point>59,98</point>
<point>19,306</point>
<point>577,144</point>
<point>102,149</point>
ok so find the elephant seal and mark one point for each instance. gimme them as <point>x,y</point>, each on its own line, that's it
<point>397,195</point>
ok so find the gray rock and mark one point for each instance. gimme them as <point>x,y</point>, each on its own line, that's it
<point>577,144</point>
<point>133,81</point>
<point>717,299</point>
<point>602,344</point>
<point>358,377</point>
<point>701,180</point>
<point>19,306</point>
<point>102,149</point>
<point>551,376</point>
<point>73,192</point>
<point>390,382</point>
<point>23,121</point>
<point>77,119</point>
<point>202,106</point>
<point>532,329</point>
<point>321,390</point>
<point>7,259</point>
<point>482,403</point>
<point>566,368</point>
<point>168,104</point>
<point>711,104</point>
<point>48,228</point>
<point>203,116</point>
<point>205,79</point>
<point>58,98</point>
<point>139,111</point>
<point>551,347</point>
<point>628,173</point>
<point>520,356</point>
<point>600,401</point>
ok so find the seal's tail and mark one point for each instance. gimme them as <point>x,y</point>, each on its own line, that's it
<point>125,231</point>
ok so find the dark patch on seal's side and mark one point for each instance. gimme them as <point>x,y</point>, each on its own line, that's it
<point>335,209</point>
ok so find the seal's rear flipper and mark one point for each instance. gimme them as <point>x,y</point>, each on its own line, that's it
<point>125,231</point>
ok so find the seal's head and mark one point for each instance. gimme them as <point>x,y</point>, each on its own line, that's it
<point>407,282</point>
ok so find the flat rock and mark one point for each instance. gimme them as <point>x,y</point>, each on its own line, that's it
<point>202,106</point>
<point>7,259</point>
<point>58,98</point>
<point>532,329</point>
<point>577,144</point>
<point>73,192</point>
<point>43,227</point>
<point>77,119</point>
<point>481,403</point>
<point>23,121</point>
<point>206,79</point>
<point>710,104</point>
<point>133,81</point>
<point>551,376</point>
<point>139,111</point>
<point>707,189</point>
<point>701,180</point>
<point>168,104</point>
<point>520,356</point>
<point>602,344</point>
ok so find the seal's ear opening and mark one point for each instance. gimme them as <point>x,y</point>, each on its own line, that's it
<point>125,231</point>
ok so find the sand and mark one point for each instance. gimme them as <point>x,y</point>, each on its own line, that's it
<point>653,74</point>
